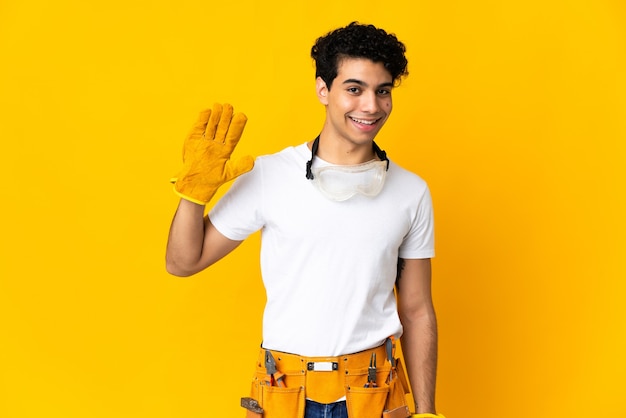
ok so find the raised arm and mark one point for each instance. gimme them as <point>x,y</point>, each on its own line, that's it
<point>419,340</point>
<point>193,242</point>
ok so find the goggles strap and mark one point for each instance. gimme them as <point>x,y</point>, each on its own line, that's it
<point>309,164</point>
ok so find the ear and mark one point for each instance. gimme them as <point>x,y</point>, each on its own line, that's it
<point>322,90</point>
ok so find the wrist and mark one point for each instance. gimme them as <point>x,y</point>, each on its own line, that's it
<point>197,201</point>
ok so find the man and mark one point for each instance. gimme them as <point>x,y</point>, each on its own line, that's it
<point>342,226</point>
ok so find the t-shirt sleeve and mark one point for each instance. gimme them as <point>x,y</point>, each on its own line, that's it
<point>420,241</point>
<point>238,213</point>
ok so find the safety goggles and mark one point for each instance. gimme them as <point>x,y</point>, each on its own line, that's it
<point>341,182</point>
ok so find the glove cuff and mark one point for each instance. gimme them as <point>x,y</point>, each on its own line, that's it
<point>189,198</point>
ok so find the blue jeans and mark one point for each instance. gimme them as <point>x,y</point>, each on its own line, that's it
<point>320,410</point>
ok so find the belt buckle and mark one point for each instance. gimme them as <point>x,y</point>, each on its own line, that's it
<point>322,366</point>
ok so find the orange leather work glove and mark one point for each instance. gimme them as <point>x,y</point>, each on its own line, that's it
<point>206,154</point>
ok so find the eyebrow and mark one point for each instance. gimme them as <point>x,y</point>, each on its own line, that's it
<point>364,84</point>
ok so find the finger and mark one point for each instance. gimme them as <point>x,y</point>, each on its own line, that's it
<point>236,129</point>
<point>200,125</point>
<point>235,168</point>
<point>196,131</point>
<point>211,126</point>
<point>222,127</point>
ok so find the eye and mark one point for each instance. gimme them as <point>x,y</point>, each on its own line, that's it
<point>384,92</point>
<point>353,90</point>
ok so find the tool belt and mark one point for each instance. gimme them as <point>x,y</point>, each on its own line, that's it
<point>372,382</point>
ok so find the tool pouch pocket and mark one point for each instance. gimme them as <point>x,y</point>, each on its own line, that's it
<point>366,402</point>
<point>396,402</point>
<point>279,401</point>
<point>398,388</point>
<point>387,400</point>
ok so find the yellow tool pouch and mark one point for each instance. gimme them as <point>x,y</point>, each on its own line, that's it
<point>387,400</point>
<point>329,379</point>
<point>285,401</point>
<point>396,406</point>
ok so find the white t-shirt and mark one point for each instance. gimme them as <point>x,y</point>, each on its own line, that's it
<point>329,268</point>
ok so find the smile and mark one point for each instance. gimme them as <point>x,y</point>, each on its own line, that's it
<point>364,121</point>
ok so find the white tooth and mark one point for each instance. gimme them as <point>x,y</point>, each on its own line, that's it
<point>365,122</point>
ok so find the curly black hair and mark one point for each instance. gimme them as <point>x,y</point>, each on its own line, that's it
<point>358,41</point>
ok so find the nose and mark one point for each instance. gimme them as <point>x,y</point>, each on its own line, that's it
<point>370,102</point>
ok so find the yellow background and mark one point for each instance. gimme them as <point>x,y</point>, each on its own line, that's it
<point>514,112</point>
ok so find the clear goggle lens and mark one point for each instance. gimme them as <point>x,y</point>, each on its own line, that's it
<point>341,182</point>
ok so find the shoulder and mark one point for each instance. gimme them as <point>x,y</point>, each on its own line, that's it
<point>293,157</point>
<point>404,178</point>
<point>298,152</point>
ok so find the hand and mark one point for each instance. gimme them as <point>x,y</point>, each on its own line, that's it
<point>206,154</point>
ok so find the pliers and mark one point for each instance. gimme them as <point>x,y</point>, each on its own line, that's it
<point>371,373</point>
<point>274,377</point>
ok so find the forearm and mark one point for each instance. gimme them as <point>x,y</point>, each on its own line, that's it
<point>419,346</point>
<point>186,238</point>
<point>193,243</point>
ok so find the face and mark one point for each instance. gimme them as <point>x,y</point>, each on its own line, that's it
<point>358,102</point>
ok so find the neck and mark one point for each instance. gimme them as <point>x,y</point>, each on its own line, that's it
<point>342,152</point>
